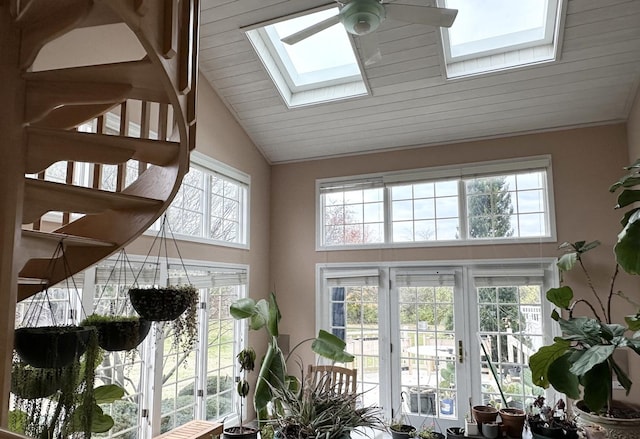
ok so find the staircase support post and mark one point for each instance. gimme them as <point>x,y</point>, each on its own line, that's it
<point>12,158</point>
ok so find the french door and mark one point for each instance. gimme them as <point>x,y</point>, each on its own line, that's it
<point>417,333</point>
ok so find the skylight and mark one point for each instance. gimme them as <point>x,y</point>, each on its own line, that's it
<point>499,34</point>
<point>317,69</point>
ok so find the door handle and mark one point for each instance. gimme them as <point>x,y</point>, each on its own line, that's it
<point>460,352</point>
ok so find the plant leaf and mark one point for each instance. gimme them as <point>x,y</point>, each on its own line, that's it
<point>243,308</point>
<point>272,373</point>
<point>554,315</point>
<point>100,423</point>
<point>625,218</point>
<point>588,246</point>
<point>261,316</point>
<point>567,261</point>
<point>633,322</point>
<point>108,393</point>
<point>623,378</point>
<point>274,316</point>
<point>560,297</point>
<point>596,384</point>
<point>542,360</point>
<point>626,250</point>
<point>627,197</point>
<point>582,329</point>
<point>331,347</point>
<point>591,357</point>
<point>561,379</point>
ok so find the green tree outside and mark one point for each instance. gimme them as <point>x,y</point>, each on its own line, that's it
<point>489,208</point>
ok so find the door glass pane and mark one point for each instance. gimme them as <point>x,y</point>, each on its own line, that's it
<point>509,317</point>
<point>355,319</point>
<point>220,352</point>
<point>427,356</point>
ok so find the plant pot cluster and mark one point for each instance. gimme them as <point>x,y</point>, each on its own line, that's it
<point>512,424</point>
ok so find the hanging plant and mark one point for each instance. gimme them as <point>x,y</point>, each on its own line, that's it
<point>178,304</point>
<point>29,382</point>
<point>118,333</point>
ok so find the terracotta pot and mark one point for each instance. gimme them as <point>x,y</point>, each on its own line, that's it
<point>615,428</point>
<point>513,421</point>
<point>484,414</point>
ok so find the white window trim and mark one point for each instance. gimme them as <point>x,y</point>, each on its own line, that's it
<point>472,350</point>
<point>459,171</point>
<point>211,165</point>
<point>448,65</point>
<point>299,96</point>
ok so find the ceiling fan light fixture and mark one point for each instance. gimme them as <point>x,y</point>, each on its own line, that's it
<point>361,17</point>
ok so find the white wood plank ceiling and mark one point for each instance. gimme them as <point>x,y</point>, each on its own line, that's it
<point>412,104</point>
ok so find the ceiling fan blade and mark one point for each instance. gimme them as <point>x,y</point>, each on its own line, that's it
<point>311,30</point>
<point>369,49</point>
<point>429,15</point>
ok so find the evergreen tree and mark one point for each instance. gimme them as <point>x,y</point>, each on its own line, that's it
<point>490,208</point>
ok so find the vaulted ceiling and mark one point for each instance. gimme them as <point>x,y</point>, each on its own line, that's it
<point>411,102</point>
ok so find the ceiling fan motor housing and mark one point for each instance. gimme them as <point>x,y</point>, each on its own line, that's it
<point>361,17</point>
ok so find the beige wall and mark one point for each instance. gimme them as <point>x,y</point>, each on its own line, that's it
<point>633,129</point>
<point>585,162</point>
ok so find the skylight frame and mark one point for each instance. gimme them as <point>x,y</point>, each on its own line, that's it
<point>306,88</point>
<point>541,49</point>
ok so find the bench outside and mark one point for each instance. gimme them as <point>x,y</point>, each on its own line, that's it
<point>194,430</point>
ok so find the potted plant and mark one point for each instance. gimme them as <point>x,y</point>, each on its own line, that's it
<point>246,359</point>
<point>399,429</point>
<point>118,333</point>
<point>178,304</point>
<point>320,412</point>
<point>273,371</point>
<point>551,422</point>
<point>427,432</point>
<point>582,359</point>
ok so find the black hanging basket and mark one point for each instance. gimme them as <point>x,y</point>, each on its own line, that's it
<point>51,347</point>
<point>162,304</point>
<point>119,333</point>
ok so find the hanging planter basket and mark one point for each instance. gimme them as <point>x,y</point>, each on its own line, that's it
<point>118,333</point>
<point>33,383</point>
<point>51,347</point>
<point>162,304</point>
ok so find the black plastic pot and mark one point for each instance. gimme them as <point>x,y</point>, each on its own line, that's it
<point>455,433</point>
<point>240,433</point>
<point>51,347</point>
<point>159,304</point>
<point>122,335</point>
<point>403,431</point>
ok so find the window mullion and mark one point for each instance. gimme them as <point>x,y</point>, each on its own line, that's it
<point>388,226</point>
<point>463,220</point>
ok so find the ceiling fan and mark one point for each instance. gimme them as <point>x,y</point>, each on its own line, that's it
<point>362,17</point>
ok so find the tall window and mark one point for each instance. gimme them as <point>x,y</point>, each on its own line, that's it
<point>494,201</point>
<point>182,386</point>
<point>417,330</point>
<point>212,204</point>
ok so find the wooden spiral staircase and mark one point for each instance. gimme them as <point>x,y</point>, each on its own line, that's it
<point>40,116</point>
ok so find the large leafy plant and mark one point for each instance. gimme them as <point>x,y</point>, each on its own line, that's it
<point>273,372</point>
<point>583,358</point>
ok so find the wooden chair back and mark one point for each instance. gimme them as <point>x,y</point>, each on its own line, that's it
<point>335,378</point>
